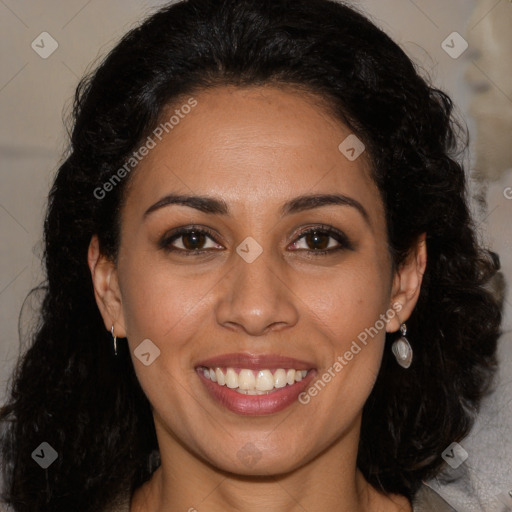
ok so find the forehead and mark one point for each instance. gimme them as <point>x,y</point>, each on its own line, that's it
<point>254,147</point>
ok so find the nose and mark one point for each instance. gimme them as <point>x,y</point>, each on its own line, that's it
<point>256,297</point>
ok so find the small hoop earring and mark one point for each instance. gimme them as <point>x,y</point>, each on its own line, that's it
<point>115,339</point>
<point>402,349</point>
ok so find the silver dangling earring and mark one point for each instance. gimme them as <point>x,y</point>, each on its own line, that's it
<point>402,349</point>
<point>115,339</point>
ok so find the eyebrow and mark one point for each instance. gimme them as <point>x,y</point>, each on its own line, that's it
<point>217,206</point>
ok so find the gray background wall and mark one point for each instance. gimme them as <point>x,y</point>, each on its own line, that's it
<point>35,93</point>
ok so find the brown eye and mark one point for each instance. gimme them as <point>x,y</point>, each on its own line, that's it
<point>190,241</point>
<point>322,241</point>
<point>193,240</point>
<point>317,240</point>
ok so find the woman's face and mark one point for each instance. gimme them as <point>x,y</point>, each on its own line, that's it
<point>249,289</point>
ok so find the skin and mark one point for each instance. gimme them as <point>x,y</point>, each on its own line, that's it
<point>256,148</point>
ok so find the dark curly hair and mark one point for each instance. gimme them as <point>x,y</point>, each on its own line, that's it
<point>72,392</point>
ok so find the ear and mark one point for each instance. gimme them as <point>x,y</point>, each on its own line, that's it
<point>407,283</point>
<point>106,288</point>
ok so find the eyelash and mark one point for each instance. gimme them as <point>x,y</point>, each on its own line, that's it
<point>339,236</point>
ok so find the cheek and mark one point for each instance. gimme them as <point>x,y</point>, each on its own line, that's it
<point>347,308</point>
<point>350,298</point>
<point>169,310</point>
<point>158,302</point>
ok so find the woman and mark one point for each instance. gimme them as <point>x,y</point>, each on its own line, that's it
<point>264,289</point>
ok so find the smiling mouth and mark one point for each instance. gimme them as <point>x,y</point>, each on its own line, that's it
<point>253,382</point>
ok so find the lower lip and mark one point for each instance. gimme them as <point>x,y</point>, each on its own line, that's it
<point>252,405</point>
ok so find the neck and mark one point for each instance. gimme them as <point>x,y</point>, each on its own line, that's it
<point>330,481</point>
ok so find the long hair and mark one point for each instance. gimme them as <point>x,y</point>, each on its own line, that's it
<point>69,389</point>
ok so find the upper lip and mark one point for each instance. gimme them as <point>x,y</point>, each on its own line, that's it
<point>255,362</point>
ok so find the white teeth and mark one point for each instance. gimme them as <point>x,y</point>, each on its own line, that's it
<point>246,380</point>
<point>250,382</point>
<point>280,378</point>
<point>251,392</point>
<point>265,381</point>
<point>231,378</point>
<point>220,377</point>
